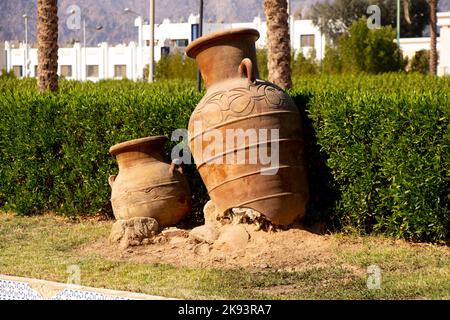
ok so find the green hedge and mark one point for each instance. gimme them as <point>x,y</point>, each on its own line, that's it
<point>54,148</point>
<point>377,147</point>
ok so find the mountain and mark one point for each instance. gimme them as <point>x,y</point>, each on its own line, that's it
<point>118,26</point>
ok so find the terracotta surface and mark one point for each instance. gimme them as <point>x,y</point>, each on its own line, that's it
<point>237,99</point>
<point>147,185</point>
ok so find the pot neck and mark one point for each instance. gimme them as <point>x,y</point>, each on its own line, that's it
<point>220,60</point>
<point>139,155</point>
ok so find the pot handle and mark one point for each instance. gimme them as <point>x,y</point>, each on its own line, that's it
<point>176,164</point>
<point>111,180</point>
<point>246,70</point>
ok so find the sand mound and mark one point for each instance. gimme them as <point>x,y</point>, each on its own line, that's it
<point>291,250</point>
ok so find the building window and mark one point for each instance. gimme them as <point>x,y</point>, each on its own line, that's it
<point>92,71</point>
<point>307,40</point>
<point>195,31</point>
<point>180,42</point>
<point>36,71</point>
<point>120,71</point>
<point>165,51</point>
<point>66,71</point>
<point>18,71</point>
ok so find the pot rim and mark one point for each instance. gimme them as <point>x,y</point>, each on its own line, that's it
<point>123,146</point>
<point>195,46</point>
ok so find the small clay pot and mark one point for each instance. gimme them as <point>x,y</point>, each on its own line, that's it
<point>147,185</point>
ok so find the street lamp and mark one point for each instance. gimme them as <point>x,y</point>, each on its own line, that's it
<point>138,23</point>
<point>25,17</point>
<point>398,23</point>
<point>97,28</point>
<point>290,23</point>
<point>152,40</point>
<point>200,33</point>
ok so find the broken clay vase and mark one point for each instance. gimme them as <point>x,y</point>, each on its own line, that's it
<point>147,185</point>
<point>239,105</point>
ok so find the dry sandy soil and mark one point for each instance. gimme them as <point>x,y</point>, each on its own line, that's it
<point>239,242</point>
<point>291,250</point>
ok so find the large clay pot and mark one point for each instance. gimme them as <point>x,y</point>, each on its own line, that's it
<point>237,99</point>
<point>147,185</point>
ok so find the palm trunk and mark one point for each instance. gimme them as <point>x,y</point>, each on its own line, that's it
<point>406,5</point>
<point>47,37</point>
<point>433,36</point>
<point>278,43</point>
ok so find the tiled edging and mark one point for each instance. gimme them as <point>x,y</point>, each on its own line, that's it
<point>18,288</point>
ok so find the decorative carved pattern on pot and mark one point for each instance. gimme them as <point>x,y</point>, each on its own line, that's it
<point>238,105</point>
<point>147,185</point>
<point>241,101</point>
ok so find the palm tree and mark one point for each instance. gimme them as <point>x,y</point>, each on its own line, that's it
<point>47,38</point>
<point>406,6</point>
<point>433,31</point>
<point>433,36</point>
<point>278,43</point>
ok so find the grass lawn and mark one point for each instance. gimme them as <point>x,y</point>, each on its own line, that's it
<point>44,246</point>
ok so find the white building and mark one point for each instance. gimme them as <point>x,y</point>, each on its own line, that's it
<point>444,57</point>
<point>128,61</point>
<point>304,35</point>
<point>411,45</point>
<point>91,63</point>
